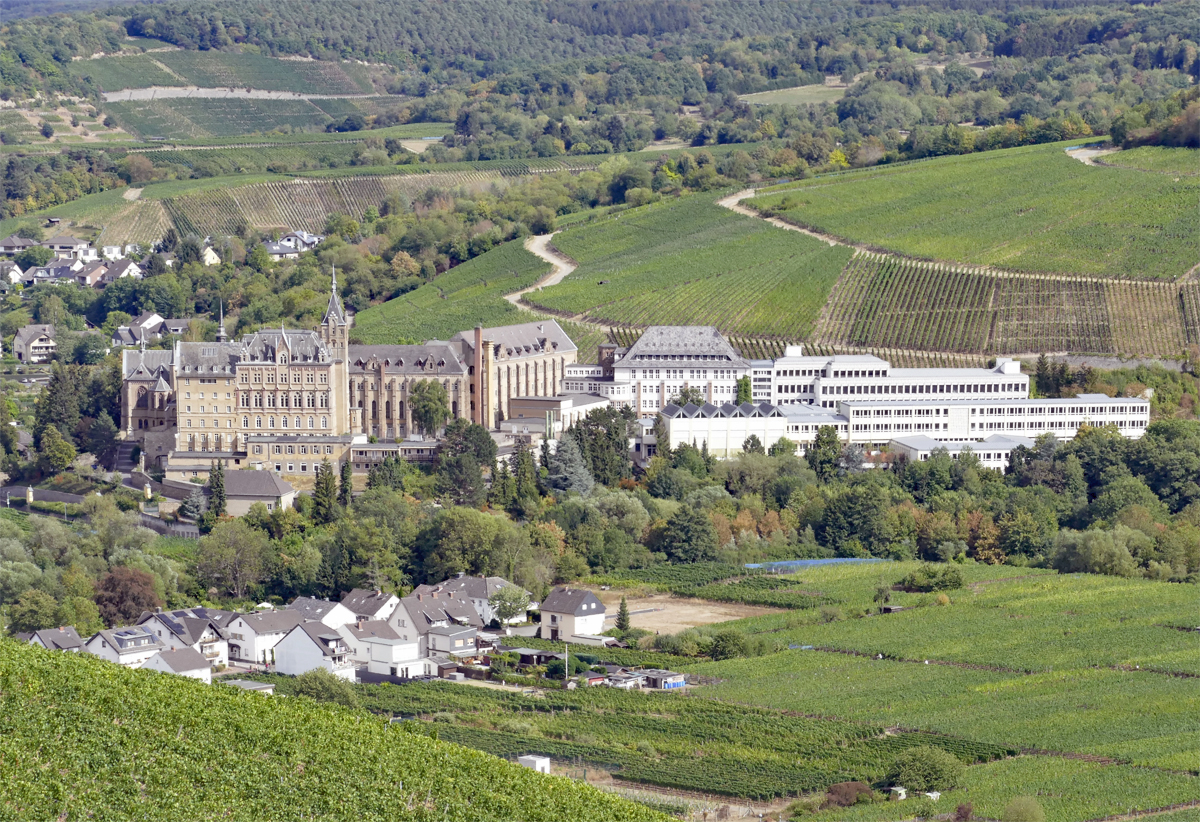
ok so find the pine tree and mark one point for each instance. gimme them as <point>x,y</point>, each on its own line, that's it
<point>102,438</point>
<point>216,488</point>
<point>504,488</point>
<point>193,506</point>
<point>346,488</point>
<point>568,472</point>
<point>623,616</point>
<point>324,495</point>
<point>57,453</point>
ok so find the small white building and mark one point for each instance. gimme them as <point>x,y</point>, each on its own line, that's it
<point>130,647</point>
<point>300,240</point>
<point>264,688</point>
<point>541,764</point>
<point>456,640</point>
<point>252,637</point>
<point>112,252</point>
<point>182,662</point>
<point>568,611</point>
<point>357,634</point>
<point>312,645</point>
<point>330,614</point>
<point>63,638</point>
<point>992,452</point>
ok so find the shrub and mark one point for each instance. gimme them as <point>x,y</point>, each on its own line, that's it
<point>963,812</point>
<point>728,645</point>
<point>844,794</point>
<point>323,686</point>
<point>1023,809</point>
<point>926,768</point>
<point>930,577</point>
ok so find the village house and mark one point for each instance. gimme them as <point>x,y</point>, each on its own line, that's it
<point>252,637</point>
<point>418,613</point>
<point>13,245</point>
<point>35,344</point>
<point>330,614</point>
<point>181,662</point>
<point>568,612</point>
<point>312,645</point>
<point>367,604</point>
<point>63,638</point>
<point>209,256</point>
<point>112,252</point>
<point>90,275</point>
<point>65,245</point>
<point>119,269</point>
<point>10,272</point>
<point>195,628</point>
<point>281,251</point>
<point>477,591</point>
<point>300,240</point>
<point>130,647</point>
<point>244,488</point>
<point>357,636</point>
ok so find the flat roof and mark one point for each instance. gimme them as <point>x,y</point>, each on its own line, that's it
<point>1082,400</point>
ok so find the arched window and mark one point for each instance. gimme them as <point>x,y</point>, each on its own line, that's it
<point>284,422</point>
<point>258,400</point>
<point>245,422</point>
<point>270,422</point>
<point>310,422</point>
<point>258,422</point>
<point>297,422</point>
<point>324,422</point>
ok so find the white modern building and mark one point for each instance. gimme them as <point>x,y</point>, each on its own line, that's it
<point>568,612</point>
<point>312,645</point>
<point>992,452</point>
<point>253,637</point>
<point>181,662</point>
<point>130,647</point>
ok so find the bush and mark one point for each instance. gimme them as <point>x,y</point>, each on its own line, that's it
<point>930,577</point>
<point>926,768</point>
<point>845,794</point>
<point>963,812</point>
<point>729,645</point>
<point>323,686</point>
<point>1023,809</point>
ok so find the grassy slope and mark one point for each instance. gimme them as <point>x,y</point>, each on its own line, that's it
<point>795,96</point>
<point>213,69</point>
<point>80,736</point>
<point>689,261</point>
<point>1155,158</point>
<point>1027,209</point>
<point>465,296</point>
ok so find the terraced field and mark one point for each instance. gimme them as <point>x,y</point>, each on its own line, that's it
<point>215,69</point>
<point>1028,209</point>
<point>186,118</point>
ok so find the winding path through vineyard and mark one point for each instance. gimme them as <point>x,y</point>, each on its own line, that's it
<point>733,203</point>
<point>562,266</point>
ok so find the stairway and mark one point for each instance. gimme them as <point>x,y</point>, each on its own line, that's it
<point>125,461</point>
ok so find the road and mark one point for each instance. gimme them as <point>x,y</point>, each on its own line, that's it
<point>562,266</point>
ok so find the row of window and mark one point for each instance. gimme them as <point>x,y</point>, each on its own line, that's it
<point>903,426</point>
<point>270,377</point>
<point>291,449</point>
<point>977,388</point>
<point>258,422</point>
<point>297,400</point>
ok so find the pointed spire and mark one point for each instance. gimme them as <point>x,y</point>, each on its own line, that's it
<point>334,313</point>
<point>221,335</point>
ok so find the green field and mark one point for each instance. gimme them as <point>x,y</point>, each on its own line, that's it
<point>795,96</point>
<point>1184,161</point>
<point>81,737</point>
<point>197,118</point>
<point>688,261</point>
<point>218,69</point>
<point>1026,209</point>
<point>467,295</point>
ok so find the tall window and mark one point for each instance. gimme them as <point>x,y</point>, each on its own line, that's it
<point>245,422</point>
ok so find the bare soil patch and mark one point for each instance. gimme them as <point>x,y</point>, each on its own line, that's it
<point>669,614</point>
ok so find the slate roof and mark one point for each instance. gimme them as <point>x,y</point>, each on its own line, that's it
<point>127,640</point>
<point>700,344</point>
<point>31,332</point>
<point>310,607</point>
<point>523,340</point>
<point>366,601</point>
<point>147,365</point>
<point>327,639</point>
<point>264,484</point>
<point>266,622</point>
<point>209,357</point>
<point>118,268</point>
<point>300,346</point>
<point>377,628</point>
<point>13,241</point>
<point>426,610</point>
<point>567,600</point>
<point>187,624</point>
<point>63,239</point>
<point>431,358</point>
<point>473,587</point>
<point>65,638</point>
<point>184,660</point>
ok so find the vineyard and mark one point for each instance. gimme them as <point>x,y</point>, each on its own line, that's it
<point>465,296</point>
<point>302,203</point>
<point>688,261</point>
<point>1029,209</point>
<point>141,221</point>
<point>882,301</point>
<point>1183,161</point>
<point>218,69</point>
<point>666,740</point>
<point>84,738</point>
<point>198,117</point>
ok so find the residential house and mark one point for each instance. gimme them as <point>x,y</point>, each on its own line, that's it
<point>112,252</point>
<point>56,272</point>
<point>279,251</point>
<point>209,256</point>
<point>300,240</point>
<point>568,612</point>
<point>330,614</point>
<point>130,647</point>
<point>191,628</point>
<point>476,590</point>
<point>418,613</point>
<point>360,634</point>
<point>182,662</point>
<point>132,248</point>
<point>63,638</point>
<point>456,640</point>
<point>252,637</point>
<point>121,268</point>
<point>244,488</point>
<point>91,274</point>
<point>10,272</point>
<point>34,344</point>
<point>367,604</point>
<point>13,245</point>
<point>67,246</point>
<point>312,645</point>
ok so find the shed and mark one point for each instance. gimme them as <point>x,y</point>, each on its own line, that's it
<point>541,764</point>
<point>663,680</point>
<point>899,794</point>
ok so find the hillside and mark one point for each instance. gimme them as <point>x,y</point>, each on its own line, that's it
<point>80,737</point>
<point>1032,209</point>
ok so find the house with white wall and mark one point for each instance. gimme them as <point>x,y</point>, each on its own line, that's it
<point>477,591</point>
<point>331,614</point>
<point>130,647</point>
<point>181,662</point>
<point>367,604</point>
<point>312,645</point>
<point>189,628</point>
<point>417,613</point>
<point>252,637</point>
<point>568,612</point>
<point>63,638</point>
<point>358,636</point>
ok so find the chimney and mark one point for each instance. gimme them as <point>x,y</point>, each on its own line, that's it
<point>435,593</point>
<point>420,597</point>
<point>360,624</point>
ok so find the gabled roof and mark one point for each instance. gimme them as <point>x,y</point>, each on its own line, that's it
<point>63,239</point>
<point>472,587</point>
<point>366,601</point>
<point>64,638</point>
<point>187,624</point>
<point>310,607</point>
<point>566,600</point>
<point>426,610</point>
<point>13,241</point>
<point>372,628</point>
<point>129,640</point>
<point>265,622</point>
<point>433,357</point>
<point>260,484</point>
<point>684,343</point>
<point>147,365</point>
<point>327,639</point>
<point>184,660</point>
<point>523,340</point>
<point>32,332</point>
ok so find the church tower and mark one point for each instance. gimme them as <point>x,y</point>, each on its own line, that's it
<point>335,333</point>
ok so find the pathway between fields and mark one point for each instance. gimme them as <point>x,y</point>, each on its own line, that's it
<point>562,266</point>
<point>733,203</point>
<point>1087,155</point>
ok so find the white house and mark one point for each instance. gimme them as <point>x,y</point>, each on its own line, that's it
<point>64,638</point>
<point>209,256</point>
<point>252,637</point>
<point>312,645</point>
<point>112,252</point>
<point>418,613</point>
<point>330,614</point>
<point>67,246</point>
<point>189,628</point>
<point>13,245</point>
<point>130,647</point>
<point>279,251</point>
<point>477,591</point>
<point>568,612</point>
<point>376,639</point>
<point>10,271</point>
<point>457,640</point>
<point>367,604</point>
<point>182,662</point>
<point>300,240</point>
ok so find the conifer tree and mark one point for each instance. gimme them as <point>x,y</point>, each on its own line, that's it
<point>567,470</point>
<point>324,495</point>
<point>346,488</point>
<point>623,616</point>
<point>216,488</point>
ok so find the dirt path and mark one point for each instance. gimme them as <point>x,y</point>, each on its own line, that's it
<point>733,203</point>
<point>170,92</point>
<point>562,266</point>
<point>132,193</point>
<point>1088,156</point>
